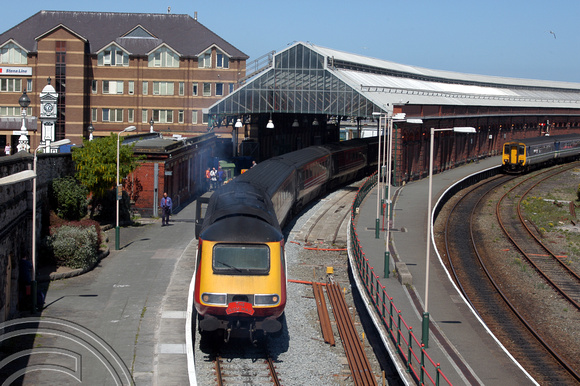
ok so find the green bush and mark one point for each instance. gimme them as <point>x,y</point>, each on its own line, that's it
<point>68,198</point>
<point>578,192</point>
<point>74,246</point>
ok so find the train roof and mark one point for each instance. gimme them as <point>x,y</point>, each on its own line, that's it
<point>270,174</point>
<point>239,199</point>
<point>242,229</point>
<point>546,139</point>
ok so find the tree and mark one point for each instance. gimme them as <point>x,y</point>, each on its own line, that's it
<point>96,164</point>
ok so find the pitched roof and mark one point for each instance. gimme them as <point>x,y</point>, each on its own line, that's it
<point>181,32</point>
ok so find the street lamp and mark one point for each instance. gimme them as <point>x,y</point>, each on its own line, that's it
<point>54,145</point>
<point>237,126</point>
<point>399,117</point>
<point>24,102</point>
<point>118,190</point>
<point>90,129</point>
<point>425,324</point>
<point>381,116</point>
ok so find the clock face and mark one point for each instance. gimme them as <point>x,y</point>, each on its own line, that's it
<point>48,107</point>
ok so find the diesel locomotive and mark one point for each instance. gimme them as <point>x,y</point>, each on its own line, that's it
<point>240,275</point>
<point>523,155</point>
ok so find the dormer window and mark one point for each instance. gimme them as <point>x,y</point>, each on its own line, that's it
<point>12,54</point>
<point>204,60</point>
<point>113,56</point>
<point>163,57</point>
<point>222,60</point>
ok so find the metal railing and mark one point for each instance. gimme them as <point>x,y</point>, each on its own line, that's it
<point>417,361</point>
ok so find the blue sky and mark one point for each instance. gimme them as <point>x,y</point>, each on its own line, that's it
<point>512,38</point>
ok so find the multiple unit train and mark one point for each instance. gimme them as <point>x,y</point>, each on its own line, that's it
<point>523,155</point>
<point>240,276</point>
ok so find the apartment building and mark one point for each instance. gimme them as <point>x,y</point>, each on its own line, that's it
<point>113,70</point>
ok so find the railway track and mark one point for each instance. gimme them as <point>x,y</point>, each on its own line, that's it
<point>235,371</point>
<point>328,225</point>
<point>492,294</point>
<point>545,261</point>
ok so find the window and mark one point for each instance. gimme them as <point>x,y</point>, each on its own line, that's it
<point>204,60</point>
<point>13,111</point>
<point>163,57</point>
<point>112,115</point>
<point>219,89</point>
<point>207,89</point>
<point>94,86</point>
<point>112,86</point>
<point>205,118</point>
<point>145,88</point>
<point>181,88</point>
<point>12,54</point>
<point>131,115</point>
<point>163,88</point>
<point>195,89</point>
<point>180,116</point>
<point>194,117</point>
<point>94,115</point>
<point>28,85</point>
<point>222,61</point>
<point>113,56</point>
<point>241,259</point>
<point>163,116</point>
<point>131,87</point>
<point>143,116</point>
<point>231,86</point>
<point>10,85</point>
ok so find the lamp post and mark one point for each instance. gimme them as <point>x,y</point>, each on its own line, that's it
<point>24,102</point>
<point>90,129</point>
<point>425,324</point>
<point>117,231</point>
<point>55,145</point>
<point>382,116</point>
<point>237,126</point>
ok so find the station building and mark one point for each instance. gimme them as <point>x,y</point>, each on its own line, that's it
<point>308,94</point>
<point>112,70</point>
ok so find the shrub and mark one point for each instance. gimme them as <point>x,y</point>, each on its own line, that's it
<point>68,198</point>
<point>578,193</point>
<point>74,246</point>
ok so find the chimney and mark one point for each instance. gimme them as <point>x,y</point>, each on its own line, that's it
<point>195,15</point>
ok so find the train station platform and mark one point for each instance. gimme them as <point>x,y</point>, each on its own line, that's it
<point>465,349</point>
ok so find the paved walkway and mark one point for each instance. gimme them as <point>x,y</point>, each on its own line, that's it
<point>136,300</point>
<point>467,352</point>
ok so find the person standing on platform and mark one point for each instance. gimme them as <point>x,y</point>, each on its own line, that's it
<point>166,206</point>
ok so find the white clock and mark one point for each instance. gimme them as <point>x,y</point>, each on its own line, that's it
<point>48,108</point>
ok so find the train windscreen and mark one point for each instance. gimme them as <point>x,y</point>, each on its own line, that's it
<point>241,259</point>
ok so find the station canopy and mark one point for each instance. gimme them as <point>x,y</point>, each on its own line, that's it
<point>309,79</point>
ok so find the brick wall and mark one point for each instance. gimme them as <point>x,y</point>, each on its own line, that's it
<point>16,218</point>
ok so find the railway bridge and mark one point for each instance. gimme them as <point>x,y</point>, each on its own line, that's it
<point>307,95</point>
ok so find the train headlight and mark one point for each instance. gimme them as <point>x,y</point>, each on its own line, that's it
<point>266,300</point>
<point>217,299</point>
